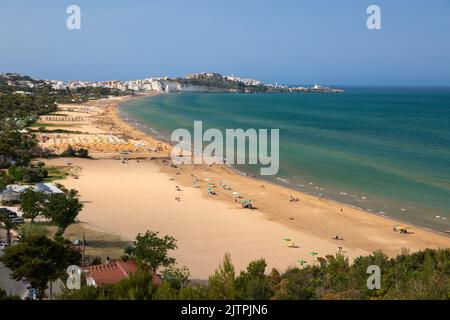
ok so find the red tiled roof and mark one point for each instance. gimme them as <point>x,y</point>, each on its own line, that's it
<point>111,272</point>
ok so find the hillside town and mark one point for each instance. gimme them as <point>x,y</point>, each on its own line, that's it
<point>197,82</point>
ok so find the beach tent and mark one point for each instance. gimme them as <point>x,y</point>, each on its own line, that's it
<point>301,262</point>
<point>246,204</point>
<point>401,229</point>
<point>291,244</point>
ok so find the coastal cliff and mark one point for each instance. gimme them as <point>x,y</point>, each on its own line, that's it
<point>213,82</point>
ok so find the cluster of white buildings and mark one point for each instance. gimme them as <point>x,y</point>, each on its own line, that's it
<point>246,81</point>
<point>144,85</point>
<point>187,84</point>
<point>160,84</point>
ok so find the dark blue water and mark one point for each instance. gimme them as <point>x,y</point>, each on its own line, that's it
<point>384,150</point>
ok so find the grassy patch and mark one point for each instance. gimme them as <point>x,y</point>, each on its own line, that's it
<point>57,173</point>
<point>40,124</point>
<point>99,244</point>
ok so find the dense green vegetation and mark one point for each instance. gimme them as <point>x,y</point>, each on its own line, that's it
<point>62,210</point>
<point>75,153</point>
<point>10,83</point>
<point>18,111</point>
<point>40,260</point>
<point>219,83</point>
<point>36,257</point>
<point>22,101</point>
<point>152,250</point>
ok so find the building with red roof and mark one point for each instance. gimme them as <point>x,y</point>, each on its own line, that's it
<point>110,273</point>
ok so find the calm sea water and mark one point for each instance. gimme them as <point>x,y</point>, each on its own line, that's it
<point>384,150</point>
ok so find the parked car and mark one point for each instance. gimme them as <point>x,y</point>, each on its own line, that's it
<point>11,215</point>
<point>18,220</point>
<point>8,213</point>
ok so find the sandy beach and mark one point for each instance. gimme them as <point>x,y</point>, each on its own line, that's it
<point>128,197</point>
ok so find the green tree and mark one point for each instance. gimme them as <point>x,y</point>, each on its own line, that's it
<point>83,153</point>
<point>153,250</point>
<point>221,285</point>
<point>40,260</point>
<point>62,210</point>
<point>69,152</point>
<point>166,292</point>
<point>32,204</point>
<point>177,277</point>
<point>253,284</point>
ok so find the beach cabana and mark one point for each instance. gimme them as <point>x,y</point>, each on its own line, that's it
<point>301,262</point>
<point>401,229</point>
<point>290,244</point>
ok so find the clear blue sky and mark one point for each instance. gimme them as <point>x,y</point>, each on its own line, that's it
<point>285,41</point>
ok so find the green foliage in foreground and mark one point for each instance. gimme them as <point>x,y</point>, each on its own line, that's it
<point>421,275</point>
<point>152,250</point>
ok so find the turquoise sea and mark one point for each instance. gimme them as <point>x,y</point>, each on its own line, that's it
<point>384,150</point>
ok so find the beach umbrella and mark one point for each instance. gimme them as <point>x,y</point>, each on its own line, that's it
<point>313,253</point>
